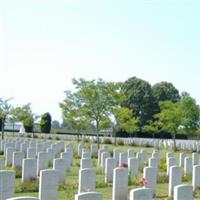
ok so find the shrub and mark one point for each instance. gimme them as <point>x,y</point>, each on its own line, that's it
<point>107,141</point>
<point>45,123</point>
<point>57,138</point>
<point>120,142</point>
<point>86,140</point>
<point>35,136</point>
<point>18,172</point>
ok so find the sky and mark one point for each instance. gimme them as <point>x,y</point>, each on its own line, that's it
<point>46,43</point>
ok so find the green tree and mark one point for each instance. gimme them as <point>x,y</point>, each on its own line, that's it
<point>5,108</point>
<point>138,98</point>
<point>164,91</point>
<point>45,123</point>
<point>73,113</point>
<point>24,114</point>
<point>55,124</point>
<point>183,115</point>
<point>91,102</point>
<point>190,113</point>
<point>170,118</point>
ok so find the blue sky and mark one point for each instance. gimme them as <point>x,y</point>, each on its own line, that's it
<point>46,43</point>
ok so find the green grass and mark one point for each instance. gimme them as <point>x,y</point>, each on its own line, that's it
<point>67,191</point>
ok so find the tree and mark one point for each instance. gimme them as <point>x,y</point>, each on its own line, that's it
<point>5,108</point>
<point>73,113</point>
<point>190,113</point>
<point>55,124</point>
<point>45,123</point>
<point>90,102</point>
<point>184,115</point>
<point>138,98</point>
<point>164,91</point>
<point>170,118</point>
<point>24,114</point>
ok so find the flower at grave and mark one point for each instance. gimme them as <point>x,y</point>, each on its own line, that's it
<point>87,190</point>
<point>123,165</point>
<point>143,181</point>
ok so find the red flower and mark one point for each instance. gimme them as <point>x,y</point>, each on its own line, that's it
<point>123,165</point>
<point>143,181</point>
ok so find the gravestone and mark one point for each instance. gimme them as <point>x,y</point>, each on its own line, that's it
<point>7,184</point>
<point>188,166</point>
<point>48,184</point>
<point>87,180</point>
<point>196,177</point>
<point>42,161</point>
<point>181,159</point>
<point>88,196</point>
<point>183,192</point>
<point>86,163</point>
<point>175,176</point>
<point>150,174</point>
<point>59,166</point>
<point>104,155</point>
<point>141,194</point>
<point>133,166</point>
<point>29,169</point>
<point>9,153</point>
<point>120,184</point>
<point>170,162</point>
<point>31,152</point>
<point>23,198</point>
<point>2,164</point>
<point>17,159</point>
<point>123,158</point>
<point>111,163</point>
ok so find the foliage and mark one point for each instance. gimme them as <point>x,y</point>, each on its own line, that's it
<point>164,91</point>
<point>55,124</point>
<point>90,103</point>
<point>45,123</point>
<point>25,115</point>
<point>139,99</point>
<point>5,109</point>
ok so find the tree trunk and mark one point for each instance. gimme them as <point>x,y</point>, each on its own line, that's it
<point>174,140</point>
<point>2,128</point>
<point>97,131</point>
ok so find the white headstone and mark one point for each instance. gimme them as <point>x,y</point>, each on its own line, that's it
<point>17,159</point>
<point>23,198</point>
<point>141,194</point>
<point>7,184</point>
<point>111,163</point>
<point>150,175</point>
<point>183,192</point>
<point>59,166</point>
<point>133,166</point>
<point>196,176</point>
<point>88,196</point>
<point>174,178</point>
<point>87,180</point>
<point>86,163</point>
<point>120,184</point>
<point>48,184</point>
<point>29,169</point>
<point>188,165</point>
<point>43,160</point>
<point>2,164</point>
<point>31,152</point>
